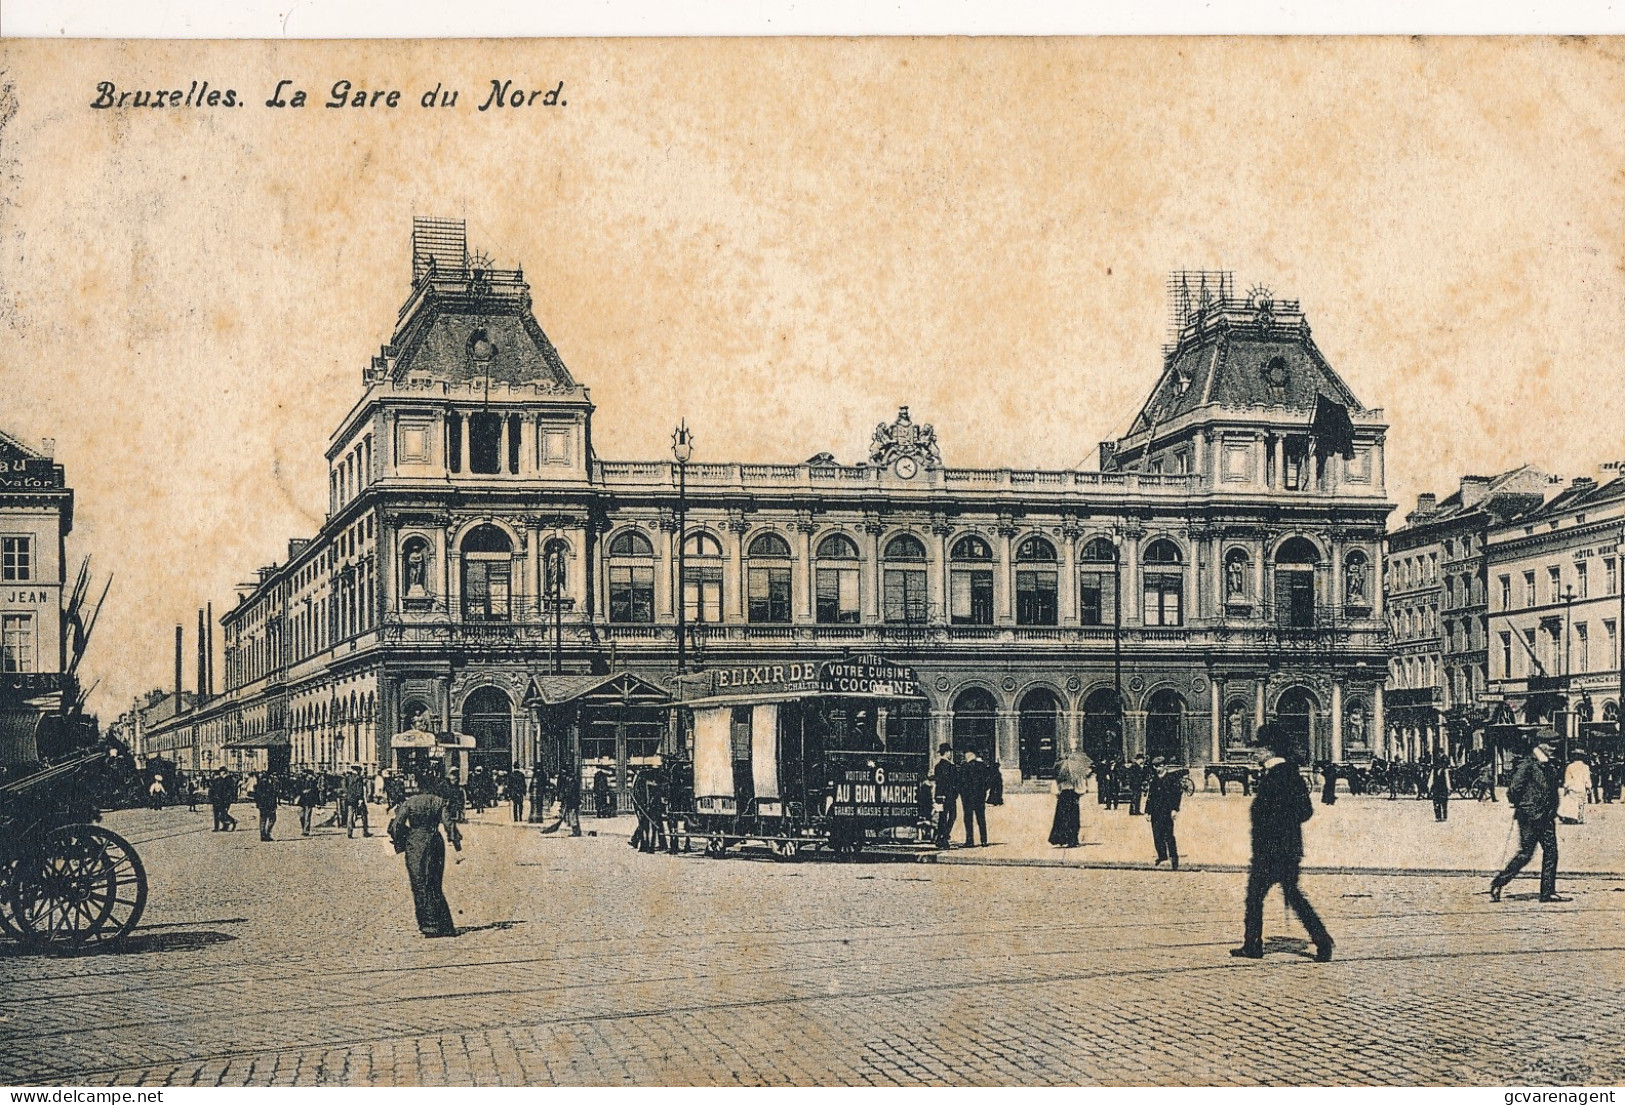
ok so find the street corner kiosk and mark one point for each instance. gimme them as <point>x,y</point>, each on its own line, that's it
<point>805,755</point>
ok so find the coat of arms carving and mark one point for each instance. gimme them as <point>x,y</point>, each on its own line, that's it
<point>904,438</point>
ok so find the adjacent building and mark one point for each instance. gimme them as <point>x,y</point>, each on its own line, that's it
<point>485,577</point>
<point>1436,578</point>
<point>36,646</point>
<point>1555,607</point>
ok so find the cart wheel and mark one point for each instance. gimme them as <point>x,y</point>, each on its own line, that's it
<point>83,886</point>
<point>714,847</point>
<point>7,928</point>
<point>786,849</point>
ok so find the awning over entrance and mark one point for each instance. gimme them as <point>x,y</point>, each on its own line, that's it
<point>617,689</point>
<point>277,738</point>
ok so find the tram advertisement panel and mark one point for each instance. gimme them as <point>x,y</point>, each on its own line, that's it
<point>875,785</point>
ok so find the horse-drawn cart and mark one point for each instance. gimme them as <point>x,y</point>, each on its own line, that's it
<point>66,884</point>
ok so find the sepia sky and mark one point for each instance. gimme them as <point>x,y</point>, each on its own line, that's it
<point>781,241</point>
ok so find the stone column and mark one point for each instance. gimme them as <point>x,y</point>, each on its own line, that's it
<point>534,566</point>
<point>1337,722</point>
<point>1007,742</point>
<point>464,450</point>
<point>442,555</point>
<point>1066,593</point>
<point>733,581</point>
<point>1004,575</point>
<point>1129,551</point>
<point>1215,720</point>
<point>1378,722</point>
<point>1069,734</point>
<point>1134,733</point>
<point>804,578</point>
<point>869,580</point>
<point>1259,717</point>
<point>939,569</point>
<point>941,728</point>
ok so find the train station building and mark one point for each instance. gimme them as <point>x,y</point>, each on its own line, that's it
<point>482,572</point>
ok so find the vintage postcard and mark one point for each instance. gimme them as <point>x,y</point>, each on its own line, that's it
<point>812,562</point>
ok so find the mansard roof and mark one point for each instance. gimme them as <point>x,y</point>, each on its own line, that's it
<point>1240,354</point>
<point>466,324</point>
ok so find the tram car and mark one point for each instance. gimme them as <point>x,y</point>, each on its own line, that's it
<point>805,756</point>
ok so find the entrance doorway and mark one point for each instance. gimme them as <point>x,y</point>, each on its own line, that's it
<point>1164,726</point>
<point>974,713</point>
<point>1102,740</point>
<point>488,718</point>
<point>1295,712</point>
<point>1040,718</point>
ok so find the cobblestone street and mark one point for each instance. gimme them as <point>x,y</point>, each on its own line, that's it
<point>582,962</point>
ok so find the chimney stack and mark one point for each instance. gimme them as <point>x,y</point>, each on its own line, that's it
<point>202,660</point>
<point>209,651</point>
<point>1474,490</point>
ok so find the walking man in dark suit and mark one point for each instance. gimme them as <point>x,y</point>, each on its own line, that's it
<point>1280,807</point>
<point>1162,801</point>
<point>945,781</point>
<point>973,787</point>
<point>1137,775</point>
<point>1533,795</point>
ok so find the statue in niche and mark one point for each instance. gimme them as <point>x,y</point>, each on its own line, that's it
<point>1235,727</point>
<point>1356,737</point>
<point>1354,581</point>
<point>416,574</point>
<point>1235,578</point>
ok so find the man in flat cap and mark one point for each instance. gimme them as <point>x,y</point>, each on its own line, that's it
<point>1533,795</point>
<point>1280,807</point>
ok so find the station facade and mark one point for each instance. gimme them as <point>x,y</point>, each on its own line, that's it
<point>480,564</point>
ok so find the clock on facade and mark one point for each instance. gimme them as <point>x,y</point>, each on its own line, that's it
<point>1275,373</point>
<point>906,468</point>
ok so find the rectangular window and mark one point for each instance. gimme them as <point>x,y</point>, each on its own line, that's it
<point>1506,655</point>
<point>903,596</point>
<point>1580,574</point>
<point>486,590</point>
<point>598,742</point>
<point>1506,592</point>
<point>16,559</point>
<point>769,595</point>
<point>971,596</point>
<point>1610,629</point>
<point>1530,655</point>
<point>632,593</point>
<point>1094,598</point>
<point>17,643</point>
<point>1554,580</point>
<point>1610,571</point>
<point>1582,648</point>
<point>838,596</point>
<point>485,443</point>
<point>1163,599</point>
<point>454,442</point>
<point>702,595</point>
<point>513,444</point>
<point>1529,589</point>
<point>1035,596</point>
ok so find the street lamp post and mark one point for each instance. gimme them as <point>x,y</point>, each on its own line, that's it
<point>1568,624</point>
<point>682,450</point>
<point>1117,636</point>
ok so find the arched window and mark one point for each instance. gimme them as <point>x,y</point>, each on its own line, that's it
<point>702,579</point>
<point>837,546</point>
<point>905,546</point>
<point>1102,738</point>
<point>1237,575</point>
<point>1097,582</point>
<point>700,543</point>
<point>970,582</point>
<point>768,580</point>
<point>837,581</point>
<point>1163,585</point>
<point>487,574</point>
<point>903,596</point>
<point>770,545</point>
<point>1296,564</point>
<point>1036,587</point>
<point>416,557</point>
<point>631,578</point>
<point>631,543</point>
